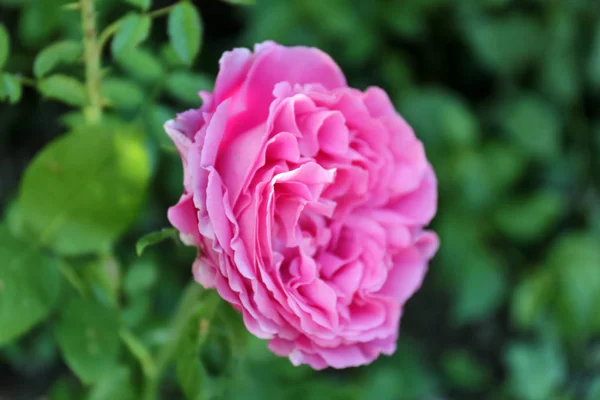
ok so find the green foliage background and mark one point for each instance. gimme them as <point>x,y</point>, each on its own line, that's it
<point>505,94</point>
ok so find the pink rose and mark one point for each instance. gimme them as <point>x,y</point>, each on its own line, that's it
<point>307,201</point>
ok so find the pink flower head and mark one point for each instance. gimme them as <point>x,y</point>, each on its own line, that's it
<point>307,200</point>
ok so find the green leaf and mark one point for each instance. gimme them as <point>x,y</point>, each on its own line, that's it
<point>481,287</point>
<point>64,52</point>
<point>141,276</point>
<point>154,238</point>
<point>593,63</point>
<point>189,369</point>
<point>29,286</point>
<point>88,337</point>
<point>116,384</point>
<point>439,117</point>
<point>103,277</point>
<point>185,31</point>
<point>155,117</point>
<point>464,371</point>
<point>4,45</point>
<point>184,86</point>
<point>530,218</point>
<point>63,88</point>
<point>133,30</point>
<point>144,5</point>
<point>122,93</point>
<point>575,259</point>
<point>493,41</point>
<point>531,297</point>
<point>241,2</point>
<point>10,88</point>
<point>533,126</point>
<point>535,370</point>
<point>141,64</point>
<point>92,181</point>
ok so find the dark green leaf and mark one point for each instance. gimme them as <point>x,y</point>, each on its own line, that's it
<point>65,52</point>
<point>464,371</point>
<point>92,182</point>
<point>493,41</point>
<point>241,2</point>
<point>144,5</point>
<point>184,86</point>
<point>190,372</point>
<point>88,336</point>
<point>185,31</point>
<point>531,297</point>
<point>29,286</point>
<point>133,30</point>
<point>531,217</point>
<point>480,288</point>
<point>533,126</point>
<point>594,60</point>
<point>575,259</point>
<point>122,93</point>
<point>4,45</point>
<point>154,238</point>
<point>63,88</point>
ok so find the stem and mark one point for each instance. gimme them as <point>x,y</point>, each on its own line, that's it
<point>27,81</point>
<point>93,73</point>
<point>161,11</point>
<point>107,33</point>
<point>185,311</point>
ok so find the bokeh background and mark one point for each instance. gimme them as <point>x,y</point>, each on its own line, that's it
<point>505,94</point>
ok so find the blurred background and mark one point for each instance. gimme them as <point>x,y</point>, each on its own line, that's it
<point>505,94</point>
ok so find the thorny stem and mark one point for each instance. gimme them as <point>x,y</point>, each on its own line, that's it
<point>93,72</point>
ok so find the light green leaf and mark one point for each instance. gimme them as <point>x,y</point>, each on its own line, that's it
<point>10,88</point>
<point>116,384</point>
<point>122,93</point>
<point>29,286</point>
<point>141,64</point>
<point>64,52</point>
<point>184,86</point>
<point>185,31</point>
<point>140,277</point>
<point>63,88</point>
<point>88,336</point>
<point>154,238</point>
<point>103,277</point>
<point>4,45</point>
<point>535,370</point>
<point>92,181</point>
<point>133,30</point>
<point>144,5</point>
